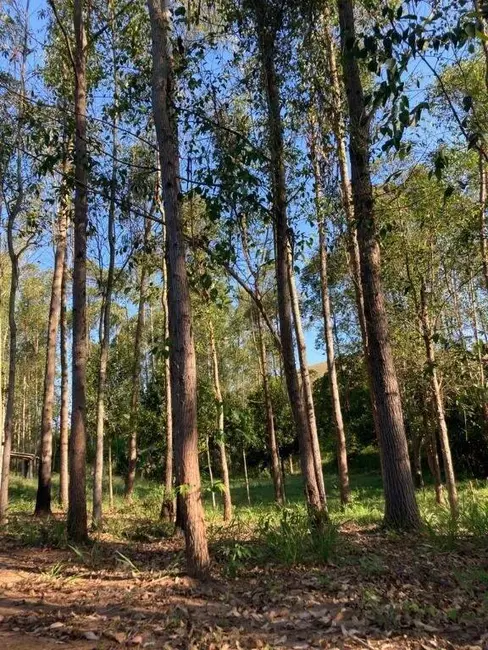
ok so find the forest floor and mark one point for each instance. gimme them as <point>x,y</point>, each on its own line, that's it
<point>364,588</point>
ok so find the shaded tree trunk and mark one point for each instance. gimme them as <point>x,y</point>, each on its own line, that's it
<point>401,510</point>
<point>77,513</point>
<point>182,350</point>
<point>270,427</point>
<point>266,43</point>
<point>136,373</point>
<point>220,426</point>
<point>43,498</point>
<point>210,472</point>
<point>64,411</point>
<point>246,477</point>
<point>329,336</point>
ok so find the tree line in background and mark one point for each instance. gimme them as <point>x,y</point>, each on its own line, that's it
<point>185,189</point>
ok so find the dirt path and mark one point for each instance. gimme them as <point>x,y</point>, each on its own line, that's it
<point>381,594</point>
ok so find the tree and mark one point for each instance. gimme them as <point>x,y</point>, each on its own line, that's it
<point>182,352</point>
<point>401,510</point>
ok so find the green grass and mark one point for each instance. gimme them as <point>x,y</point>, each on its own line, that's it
<point>281,534</point>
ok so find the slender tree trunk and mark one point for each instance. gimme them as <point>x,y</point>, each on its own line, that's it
<point>417,459</point>
<point>246,477</point>
<point>220,426</point>
<point>110,477</point>
<point>210,472</point>
<point>432,455</point>
<point>168,505</point>
<point>439,404</point>
<point>306,383</point>
<point>64,412</point>
<point>43,498</point>
<point>329,337</point>
<point>270,427</point>
<point>12,369</point>
<point>401,510</point>
<point>105,317</point>
<point>182,350</point>
<point>266,43</point>
<point>136,373</point>
<point>77,513</point>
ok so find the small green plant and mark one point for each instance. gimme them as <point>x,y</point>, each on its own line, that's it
<point>292,537</point>
<point>235,557</point>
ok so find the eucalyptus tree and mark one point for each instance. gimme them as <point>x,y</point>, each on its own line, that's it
<point>182,351</point>
<point>401,510</point>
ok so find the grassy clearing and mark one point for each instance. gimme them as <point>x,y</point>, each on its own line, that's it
<point>261,532</point>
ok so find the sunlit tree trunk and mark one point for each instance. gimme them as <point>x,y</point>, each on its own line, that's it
<point>182,350</point>
<point>136,373</point>
<point>438,403</point>
<point>329,334</point>
<point>43,498</point>
<point>270,426</point>
<point>64,409</point>
<point>306,383</point>
<point>106,314</point>
<point>168,505</point>
<point>12,366</point>
<point>77,513</point>
<point>266,43</point>
<point>220,426</point>
<point>401,510</point>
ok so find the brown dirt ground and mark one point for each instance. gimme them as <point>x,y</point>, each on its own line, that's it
<point>380,593</point>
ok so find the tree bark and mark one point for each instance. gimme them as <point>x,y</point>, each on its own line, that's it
<point>266,43</point>
<point>43,498</point>
<point>401,510</point>
<point>64,412</point>
<point>12,366</point>
<point>432,455</point>
<point>182,350</point>
<point>438,403</point>
<point>306,383</point>
<point>105,319</point>
<point>270,426</point>
<point>168,505</point>
<point>77,513</point>
<point>220,426</point>
<point>329,335</point>
<point>136,373</point>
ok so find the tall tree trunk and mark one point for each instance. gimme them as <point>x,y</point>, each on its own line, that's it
<point>220,426</point>
<point>136,373</point>
<point>12,366</point>
<point>168,505</point>
<point>64,412</point>
<point>306,382</point>
<point>182,350</point>
<point>438,404</point>
<point>329,335</point>
<point>105,315</point>
<point>270,426</point>
<point>77,513</point>
<point>110,477</point>
<point>266,43</point>
<point>43,498</point>
<point>401,510</point>
<point>339,128</point>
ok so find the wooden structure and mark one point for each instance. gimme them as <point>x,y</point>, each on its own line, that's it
<point>28,463</point>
